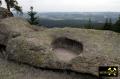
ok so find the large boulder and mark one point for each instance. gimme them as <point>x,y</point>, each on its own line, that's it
<point>13,27</point>
<point>74,49</point>
<point>81,50</point>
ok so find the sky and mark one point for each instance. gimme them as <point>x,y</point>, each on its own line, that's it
<point>70,5</point>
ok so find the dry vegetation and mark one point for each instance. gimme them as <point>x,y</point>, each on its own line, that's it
<point>10,70</point>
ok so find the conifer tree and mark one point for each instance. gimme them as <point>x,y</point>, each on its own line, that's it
<point>117,25</point>
<point>108,24</point>
<point>89,25</point>
<point>33,19</point>
<point>118,21</point>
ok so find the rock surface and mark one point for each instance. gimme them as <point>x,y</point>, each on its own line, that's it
<point>13,27</point>
<point>100,49</point>
<point>4,13</point>
<point>86,49</point>
<point>10,70</point>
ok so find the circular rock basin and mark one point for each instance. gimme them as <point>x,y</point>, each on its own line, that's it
<point>64,55</point>
<point>66,49</point>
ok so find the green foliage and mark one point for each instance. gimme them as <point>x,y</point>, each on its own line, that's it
<point>13,4</point>
<point>113,27</point>
<point>33,19</point>
<point>117,25</point>
<point>118,21</point>
<point>89,25</point>
<point>108,24</point>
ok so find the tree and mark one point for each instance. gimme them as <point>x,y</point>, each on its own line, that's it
<point>0,2</point>
<point>33,19</point>
<point>108,24</point>
<point>13,4</point>
<point>89,25</point>
<point>117,25</point>
<point>118,21</point>
<point>8,4</point>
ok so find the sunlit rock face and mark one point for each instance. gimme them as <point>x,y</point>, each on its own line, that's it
<point>75,49</point>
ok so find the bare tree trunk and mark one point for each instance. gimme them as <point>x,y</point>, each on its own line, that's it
<point>8,4</point>
<point>0,3</point>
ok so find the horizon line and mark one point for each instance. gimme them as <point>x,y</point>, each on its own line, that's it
<point>77,12</point>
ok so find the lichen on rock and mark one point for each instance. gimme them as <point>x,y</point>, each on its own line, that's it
<point>85,49</point>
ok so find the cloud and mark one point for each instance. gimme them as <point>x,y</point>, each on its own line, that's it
<point>71,5</point>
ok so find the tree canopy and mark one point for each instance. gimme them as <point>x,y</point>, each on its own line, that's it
<point>12,4</point>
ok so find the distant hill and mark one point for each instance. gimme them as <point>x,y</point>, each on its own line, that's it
<point>74,19</point>
<point>95,16</point>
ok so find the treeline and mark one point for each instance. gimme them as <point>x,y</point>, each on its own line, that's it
<point>35,20</point>
<point>108,25</point>
<point>112,26</point>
